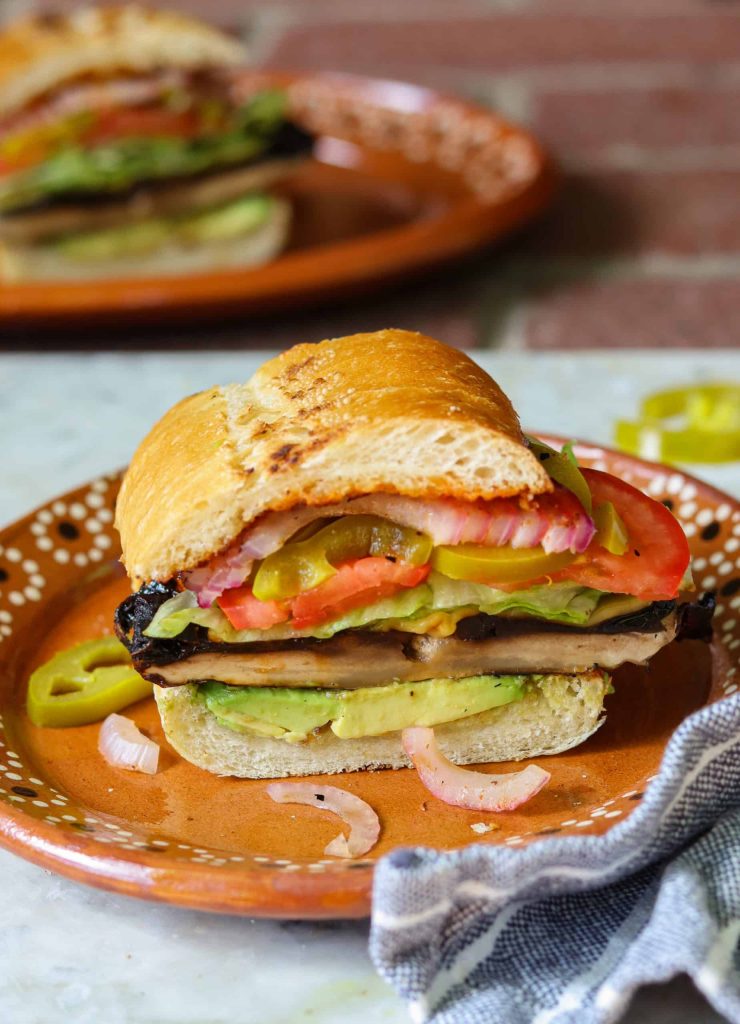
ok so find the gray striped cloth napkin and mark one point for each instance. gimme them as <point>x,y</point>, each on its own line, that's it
<point>564,931</point>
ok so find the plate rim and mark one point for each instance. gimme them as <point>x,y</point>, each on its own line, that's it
<point>251,892</point>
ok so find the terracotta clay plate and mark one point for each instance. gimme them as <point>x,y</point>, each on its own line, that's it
<point>404,179</point>
<point>187,837</point>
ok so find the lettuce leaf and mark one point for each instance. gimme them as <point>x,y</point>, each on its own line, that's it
<point>560,602</point>
<point>120,164</point>
<point>175,615</point>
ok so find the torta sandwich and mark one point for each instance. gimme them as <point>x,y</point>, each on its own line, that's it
<point>359,540</point>
<point>132,142</point>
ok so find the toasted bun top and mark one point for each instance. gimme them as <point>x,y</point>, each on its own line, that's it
<point>391,411</point>
<point>42,52</point>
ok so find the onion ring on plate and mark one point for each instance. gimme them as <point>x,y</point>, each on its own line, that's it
<point>464,788</point>
<point>124,746</point>
<point>364,825</point>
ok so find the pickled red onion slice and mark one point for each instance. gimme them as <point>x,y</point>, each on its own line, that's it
<point>364,825</point>
<point>462,787</point>
<point>124,746</point>
<point>557,521</point>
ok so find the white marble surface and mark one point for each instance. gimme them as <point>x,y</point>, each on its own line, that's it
<point>73,954</point>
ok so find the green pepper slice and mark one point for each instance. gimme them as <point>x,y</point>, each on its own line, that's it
<point>303,565</point>
<point>497,565</point>
<point>611,533</point>
<point>563,469</point>
<point>84,684</point>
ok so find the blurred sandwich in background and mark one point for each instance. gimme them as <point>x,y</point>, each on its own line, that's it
<point>132,142</point>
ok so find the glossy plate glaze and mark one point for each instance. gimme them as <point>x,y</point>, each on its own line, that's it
<point>404,179</point>
<point>190,838</point>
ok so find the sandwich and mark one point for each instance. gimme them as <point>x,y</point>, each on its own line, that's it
<point>131,142</point>
<point>360,540</point>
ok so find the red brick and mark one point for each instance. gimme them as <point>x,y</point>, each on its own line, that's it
<point>651,119</point>
<point>509,41</point>
<point>618,213</point>
<point>643,313</point>
<point>697,8</point>
<point>444,306</point>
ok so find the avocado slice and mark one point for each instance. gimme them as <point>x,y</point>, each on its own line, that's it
<point>214,224</point>
<point>112,243</point>
<point>292,714</point>
<point>271,710</point>
<point>222,223</point>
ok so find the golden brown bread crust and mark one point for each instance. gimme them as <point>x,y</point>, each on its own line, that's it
<point>381,374</point>
<point>392,411</point>
<point>41,52</point>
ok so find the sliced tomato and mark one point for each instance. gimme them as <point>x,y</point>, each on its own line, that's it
<point>142,122</point>
<point>658,552</point>
<point>356,584</point>
<point>360,582</point>
<point>245,611</point>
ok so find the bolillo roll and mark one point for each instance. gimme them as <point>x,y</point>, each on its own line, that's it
<point>360,539</point>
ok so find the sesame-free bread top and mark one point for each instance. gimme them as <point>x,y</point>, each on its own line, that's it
<point>44,51</point>
<point>392,411</point>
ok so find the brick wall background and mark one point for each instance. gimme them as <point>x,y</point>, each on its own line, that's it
<point>640,102</point>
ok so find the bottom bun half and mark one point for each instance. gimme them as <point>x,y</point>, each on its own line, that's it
<point>560,712</point>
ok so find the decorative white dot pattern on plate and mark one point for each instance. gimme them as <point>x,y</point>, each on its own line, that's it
<point>495,164</point>
<point>69,535</point>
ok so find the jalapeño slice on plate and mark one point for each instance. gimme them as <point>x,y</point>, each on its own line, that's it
<point>84,684</point>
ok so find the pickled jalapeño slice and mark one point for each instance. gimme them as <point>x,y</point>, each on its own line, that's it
<point>302,565</point>
<point>84,684</point>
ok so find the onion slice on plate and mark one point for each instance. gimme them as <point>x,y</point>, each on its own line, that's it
<point>364,825</point>
<point>124,746</point>
<point>464,788</point>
